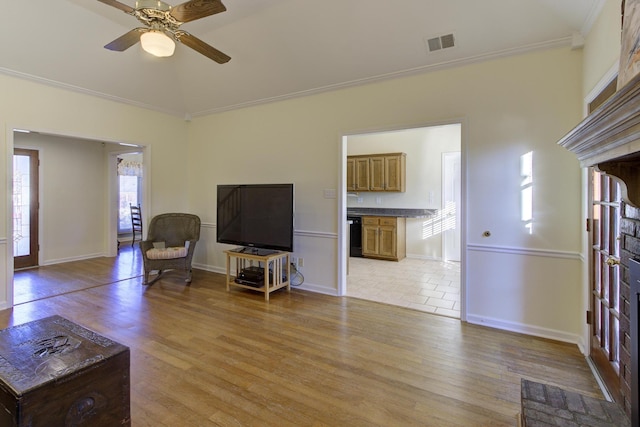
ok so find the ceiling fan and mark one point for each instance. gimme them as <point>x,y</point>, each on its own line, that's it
<point>163,23</point>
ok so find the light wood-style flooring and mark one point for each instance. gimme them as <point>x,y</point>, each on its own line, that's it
<point>202,356</point>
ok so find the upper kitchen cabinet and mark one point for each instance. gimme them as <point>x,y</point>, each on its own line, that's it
<point>358,173</point>
<point>376,172</point>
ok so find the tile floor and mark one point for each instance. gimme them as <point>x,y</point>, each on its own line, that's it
<point>426,285</point>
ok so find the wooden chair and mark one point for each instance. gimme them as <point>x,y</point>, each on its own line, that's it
<point>170,244</point>
<point>136,222</point>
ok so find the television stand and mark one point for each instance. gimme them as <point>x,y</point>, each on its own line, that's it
<point>274,268</point>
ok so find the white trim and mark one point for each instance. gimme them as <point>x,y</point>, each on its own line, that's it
<point>6,303</point>
<point>565,41</point>
<point>319,289</point>
<point>524,329</point>
<point>592,16</point>
<point>526,251</point>
<point>71,259</point>
<point>607,78</point>
<point>596,374</point>
<point>9,263</point>
<point>303,233</point>
<point>319,234</point>
<point>85,91</point>
<point>207,267</point>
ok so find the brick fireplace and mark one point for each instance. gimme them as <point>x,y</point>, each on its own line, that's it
<point>609,140</point>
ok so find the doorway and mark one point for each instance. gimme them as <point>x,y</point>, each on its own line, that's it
<point>130,185</point>
<point>429,278</point>
<point>604,261</point>
<point>25,208</point>
<point>77,202</point>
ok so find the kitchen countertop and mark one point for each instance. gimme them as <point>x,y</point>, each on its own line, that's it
<point>395,212</point>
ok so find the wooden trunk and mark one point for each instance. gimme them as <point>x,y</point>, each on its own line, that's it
<point>54,372</point>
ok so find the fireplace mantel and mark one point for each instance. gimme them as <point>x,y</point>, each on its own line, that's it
<point>609,139</point>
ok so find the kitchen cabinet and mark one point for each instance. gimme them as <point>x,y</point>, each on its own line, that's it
<point>377,172</point>
<point>358,173</point>
<point>384,237</point>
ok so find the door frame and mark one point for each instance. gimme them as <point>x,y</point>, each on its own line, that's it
<point>446,176</point>
<point>343,229</point>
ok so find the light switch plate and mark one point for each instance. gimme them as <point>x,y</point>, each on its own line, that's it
<point>329,193</point>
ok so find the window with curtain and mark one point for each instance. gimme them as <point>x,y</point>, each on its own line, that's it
<point>129,190</point>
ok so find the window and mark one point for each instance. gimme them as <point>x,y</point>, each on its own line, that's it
<point>129,189</point>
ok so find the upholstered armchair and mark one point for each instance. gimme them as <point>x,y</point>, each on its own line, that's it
<point>171,241</point>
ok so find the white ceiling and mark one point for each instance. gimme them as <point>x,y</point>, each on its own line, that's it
<point>279,48</point>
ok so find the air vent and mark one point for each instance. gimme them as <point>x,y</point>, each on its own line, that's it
<point>442,42</point>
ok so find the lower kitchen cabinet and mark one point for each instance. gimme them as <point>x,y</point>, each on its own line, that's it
<point>384,237</point>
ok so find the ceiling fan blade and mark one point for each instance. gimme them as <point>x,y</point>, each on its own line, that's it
<point>123,7</point>
<point>195,9</point>
<point>200,46</point>
<point>126,40</point>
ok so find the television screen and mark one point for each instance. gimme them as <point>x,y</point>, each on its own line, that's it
<point>256,215</point>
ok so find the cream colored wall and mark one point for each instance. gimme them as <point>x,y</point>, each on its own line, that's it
<point>73,206</point>
<point>28,105</point>
<point>508,107</point>
<point>602,46</point>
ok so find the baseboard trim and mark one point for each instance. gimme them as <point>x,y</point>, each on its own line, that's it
<point>522,328</point>
<point>209,268</point>
<point>70,259</point>
<point>310,287</point>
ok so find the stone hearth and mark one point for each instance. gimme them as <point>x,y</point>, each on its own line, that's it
<point>547,406</point>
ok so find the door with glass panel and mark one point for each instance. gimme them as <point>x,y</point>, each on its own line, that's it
<point>25,208</point>
<point>604,314</point>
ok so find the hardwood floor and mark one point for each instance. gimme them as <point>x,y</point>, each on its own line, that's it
<point>201,356</point>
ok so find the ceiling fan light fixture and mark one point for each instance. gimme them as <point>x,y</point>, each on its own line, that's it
<point>157,43</point>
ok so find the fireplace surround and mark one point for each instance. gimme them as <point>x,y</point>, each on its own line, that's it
<point>608,139</point>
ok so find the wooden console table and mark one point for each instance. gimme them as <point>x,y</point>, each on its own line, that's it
<point>274,265</point>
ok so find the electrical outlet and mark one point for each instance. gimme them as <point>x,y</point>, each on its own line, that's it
<point>300,262</point>
<point>294,261</point>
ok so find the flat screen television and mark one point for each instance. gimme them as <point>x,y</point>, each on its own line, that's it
<point>256,216</point>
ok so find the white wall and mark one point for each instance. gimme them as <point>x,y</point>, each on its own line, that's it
<point>73,204</point>
<point>508,107</point>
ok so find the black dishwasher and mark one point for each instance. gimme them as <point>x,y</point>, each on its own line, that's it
<point>355,236</point>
